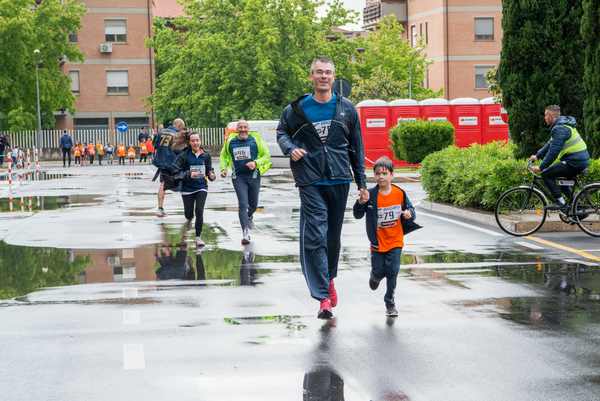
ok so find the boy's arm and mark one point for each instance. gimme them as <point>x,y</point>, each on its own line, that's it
<point>359,210</point>
<point>409,206</point>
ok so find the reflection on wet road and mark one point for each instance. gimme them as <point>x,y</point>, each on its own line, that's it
<point>128,308</point>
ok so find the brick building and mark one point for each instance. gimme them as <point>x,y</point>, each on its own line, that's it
<point>462,38</point>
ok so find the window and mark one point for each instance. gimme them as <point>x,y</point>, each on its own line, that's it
<point>90,123</point>
<point>74,76</point>
<point>133,123</point>
<point>426,33</point>
<point>421,30</point>
<point>73,37</point>
<point>115,30</point>
<point>484,29</point>
<point>480,73</point>
<point>413,35</point>
<point>117,82</point>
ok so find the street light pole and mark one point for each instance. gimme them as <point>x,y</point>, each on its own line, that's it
<point>37,92</point>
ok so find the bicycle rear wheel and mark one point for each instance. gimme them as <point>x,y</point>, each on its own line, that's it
<point>521,211</point>
<point>587,210</point>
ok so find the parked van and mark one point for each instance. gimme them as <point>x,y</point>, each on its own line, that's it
<point>266,128</point>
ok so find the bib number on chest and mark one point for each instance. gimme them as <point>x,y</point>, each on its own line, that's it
<point>241,153</point>
<point>388,216</point>
<point>201,168</point>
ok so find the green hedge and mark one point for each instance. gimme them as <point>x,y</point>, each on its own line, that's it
<point>412,141</point>
<point>477,175</point>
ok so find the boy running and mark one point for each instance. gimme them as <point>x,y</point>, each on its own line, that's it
<point>121,153</point>
<point>131,154</point>
<point>390,215</point>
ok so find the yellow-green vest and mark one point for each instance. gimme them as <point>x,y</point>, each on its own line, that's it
<point>573,145</point>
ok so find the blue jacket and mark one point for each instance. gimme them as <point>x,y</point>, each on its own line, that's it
<point>340,157</point>
<point>185,160</point>
<point>66,142</point>
<point>559,135</point>
<point>164,156</point>
<point>370,209</point>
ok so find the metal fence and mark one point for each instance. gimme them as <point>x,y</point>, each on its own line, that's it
<point>50,139</point>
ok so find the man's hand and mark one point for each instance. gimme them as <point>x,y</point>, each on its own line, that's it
<point>406,214</point>
<point>223,173</point>
<point>298,154</point>
<point>212,176</point>
<point>536,169</point>
<point>533,158</point>
<point>363,196</point>
<point>251,165</point>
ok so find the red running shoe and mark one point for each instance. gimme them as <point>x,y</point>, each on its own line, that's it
<point>325,309</point>
<point>332,294</point>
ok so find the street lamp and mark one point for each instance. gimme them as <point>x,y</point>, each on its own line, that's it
<point>36,53</point>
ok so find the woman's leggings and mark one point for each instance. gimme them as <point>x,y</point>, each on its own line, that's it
<point>194,204</point>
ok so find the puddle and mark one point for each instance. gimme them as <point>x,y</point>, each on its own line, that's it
<point>39,203</point>
<point>26,269</point>
<point>31,176</point>
<point>291,322</point>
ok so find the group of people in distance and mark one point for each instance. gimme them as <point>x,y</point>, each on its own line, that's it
<point>320,132</point>
<point>89,152</point>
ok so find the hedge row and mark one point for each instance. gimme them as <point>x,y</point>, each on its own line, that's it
<point>413,141</point>
<point>477,175</point>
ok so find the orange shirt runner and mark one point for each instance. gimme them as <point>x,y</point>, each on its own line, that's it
<point>389,226</point>
<point>121,151</point>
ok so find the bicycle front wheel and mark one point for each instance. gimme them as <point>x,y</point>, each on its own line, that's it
<point>521,211</point>
<point>587,210</point>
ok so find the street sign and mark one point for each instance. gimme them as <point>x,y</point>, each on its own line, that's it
<point>122,126</point>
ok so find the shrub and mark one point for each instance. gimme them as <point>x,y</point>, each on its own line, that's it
<point>413,141</point>
<point>476,176</point>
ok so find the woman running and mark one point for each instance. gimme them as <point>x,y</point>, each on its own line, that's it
<point>194,166</point>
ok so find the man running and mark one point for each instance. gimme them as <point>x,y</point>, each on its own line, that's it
<point>167,144</point>
<point>321,134</point>
<point>247,154</point>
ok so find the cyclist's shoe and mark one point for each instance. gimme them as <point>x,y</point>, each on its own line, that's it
<point>558,207</point>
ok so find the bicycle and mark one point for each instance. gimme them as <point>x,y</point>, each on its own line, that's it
<point>523,210</point>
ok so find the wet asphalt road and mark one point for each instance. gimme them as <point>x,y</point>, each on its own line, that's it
<point>106,301</point>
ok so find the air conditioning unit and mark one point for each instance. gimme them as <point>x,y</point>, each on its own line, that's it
<point>105,47</point>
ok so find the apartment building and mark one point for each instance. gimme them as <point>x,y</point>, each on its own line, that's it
<point>116,78</point>
<point>462,38</point>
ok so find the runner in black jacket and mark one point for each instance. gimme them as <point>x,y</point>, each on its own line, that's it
<point>321,134</point>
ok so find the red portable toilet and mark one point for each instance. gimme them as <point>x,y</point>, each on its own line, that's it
<point>435,110</point>
<point>375,126</point>
<point>404,110</point>
<point>466,118</point>
<point>493,126</point>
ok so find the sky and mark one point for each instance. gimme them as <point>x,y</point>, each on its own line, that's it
<point>356,5</point>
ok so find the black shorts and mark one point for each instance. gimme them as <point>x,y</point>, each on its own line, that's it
<point>169,181</point>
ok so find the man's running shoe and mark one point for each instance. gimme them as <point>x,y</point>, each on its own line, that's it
<point>391,311</point>
<point>246,237</point>
<point>559,207</point>
<point>161,212</point>
<point>325,309</point>
<point>199,242</point>
<point>332,294</point>
<point>373,283</point>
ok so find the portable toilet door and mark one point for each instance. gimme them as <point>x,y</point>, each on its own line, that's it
<point>375,126</point>
<point>404,110</point>
<point>435,110</point>
<point>466,118</point>
<point>493,126</point>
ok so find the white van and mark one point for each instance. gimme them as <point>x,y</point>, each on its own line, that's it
<point>266,129</point>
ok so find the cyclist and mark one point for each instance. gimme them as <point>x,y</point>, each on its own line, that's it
<point>564,155</point>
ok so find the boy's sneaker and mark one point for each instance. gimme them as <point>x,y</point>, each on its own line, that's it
<point>161,212</point>
<point>373,283</point>
<point>391,311</point>
<point>199,242</point>
<point>332,294</point>
<point>325,309</point>
<point>245,237</point>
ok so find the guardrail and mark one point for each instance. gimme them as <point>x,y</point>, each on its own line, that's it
<point>50,139</point>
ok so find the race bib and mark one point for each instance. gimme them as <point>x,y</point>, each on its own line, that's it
<point>322,128</point>
<point>241,153</point>
<point>388,216</point>
<point>200,168</point>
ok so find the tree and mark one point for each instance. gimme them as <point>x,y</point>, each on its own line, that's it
<point>541,64</point>
<point>388,67</point>
<point>590,31</point>
<point>24,28</point>
<point>243,58</point>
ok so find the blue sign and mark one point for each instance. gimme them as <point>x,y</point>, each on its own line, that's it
<point>122,126</point>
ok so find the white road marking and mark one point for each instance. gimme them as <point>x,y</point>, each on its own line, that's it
<point>130,292</point>
<point>133,357</point>
<point>459,223</point>
<point>131,317</point>
<point>529,245</point>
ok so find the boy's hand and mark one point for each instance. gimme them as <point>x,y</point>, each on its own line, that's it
<point>363,196</point>
<point>223,173</point>
<point>406,214</point>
